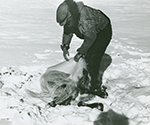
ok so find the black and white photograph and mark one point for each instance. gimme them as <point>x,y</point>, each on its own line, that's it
<point>74,62</point>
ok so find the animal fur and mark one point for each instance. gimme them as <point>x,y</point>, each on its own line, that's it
<point>60,82</point>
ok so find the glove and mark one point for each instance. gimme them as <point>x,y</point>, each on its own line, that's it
<point>65,49</point>
<point>77,57</point>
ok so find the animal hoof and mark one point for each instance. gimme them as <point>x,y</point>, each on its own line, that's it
<point>100,106</point>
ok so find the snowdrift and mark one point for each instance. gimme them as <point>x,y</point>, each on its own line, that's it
<point>127,86</point>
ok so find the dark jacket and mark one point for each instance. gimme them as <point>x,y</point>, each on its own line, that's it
<point>91,22</point>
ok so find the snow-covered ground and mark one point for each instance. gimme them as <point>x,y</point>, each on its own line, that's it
<point>30,42</point>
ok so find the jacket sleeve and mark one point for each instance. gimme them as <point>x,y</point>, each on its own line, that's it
<point>67,39</point>
<point>89,32</point>
<point>67,35</point>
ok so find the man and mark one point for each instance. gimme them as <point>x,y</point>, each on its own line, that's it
<point>91,25</point>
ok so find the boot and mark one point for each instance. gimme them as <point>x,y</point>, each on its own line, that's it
<point>99,91</point>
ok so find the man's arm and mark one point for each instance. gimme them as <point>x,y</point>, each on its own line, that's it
<point>66,40</point>
<point>65,45</point>
<point>87,43</point>
<point>89,31</point>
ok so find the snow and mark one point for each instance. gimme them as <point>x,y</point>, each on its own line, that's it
<point>30,42</point>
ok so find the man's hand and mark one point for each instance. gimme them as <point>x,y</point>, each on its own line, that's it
<point>65,52</point>
<point>77,57</point>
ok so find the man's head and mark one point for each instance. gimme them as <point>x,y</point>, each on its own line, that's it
<point>62,14</point>
<point>68,14</point>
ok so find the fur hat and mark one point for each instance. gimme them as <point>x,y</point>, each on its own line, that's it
<point>62,13</point>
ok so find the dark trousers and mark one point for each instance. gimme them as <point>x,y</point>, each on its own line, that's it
<point>95,54</point>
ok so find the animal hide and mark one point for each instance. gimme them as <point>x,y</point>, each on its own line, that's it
<point>60,82</point>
